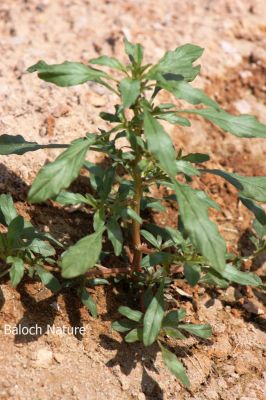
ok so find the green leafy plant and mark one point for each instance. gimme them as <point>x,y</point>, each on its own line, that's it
<point>121,192</point>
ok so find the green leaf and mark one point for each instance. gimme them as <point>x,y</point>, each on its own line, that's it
<point>123,325</point>
<point>8,211</point>
<point>259,229</point>
<point>69,198</point>
<point>16,271</point>
<point>243,278</point>
<point>134,315</point>
<point>68,73</point>
<point>88,302</point>
<point>40,247</point>
<point>48,279</point>
<point>173,118</point>
<point>107,183</point>
<point>82,256</point>
<point>10,144</point>
<point>213,278</point>
<point>134,51</point>
<point>136,335</point>
<point>130,91</point>
<point>111,62</point>
<point>186,168</point>
<point>172,318</point>
<point>98,219</point>
<point>115,235</point>
<point>167,233</point>
<point>174,333</point>
<point>15,230</point>
<point>192,273</point>
<point>183,90</point>
<point>196,157</point>
<point>160,144</point>
<point>252,187</point>
<point>242,125</point>
<point>153,317</point>
<point>256,209</point>
<point>174,365</point>
<point>202,231</point>
<point>202,331</point>
<point>150,238</point>
<point>56,176</point>
<point>178,62</point>
<point>128,212</point>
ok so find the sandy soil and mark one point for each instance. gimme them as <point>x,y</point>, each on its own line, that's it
<point>97,366</point>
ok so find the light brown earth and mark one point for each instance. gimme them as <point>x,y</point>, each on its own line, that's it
<point>98,366</point>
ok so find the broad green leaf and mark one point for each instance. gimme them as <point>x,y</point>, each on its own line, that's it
<point>111,62</point>
<point>149,237</point>
<point>8,211</point>
<point>15,230</point>
<point>213,278</point>
<point>136,335</point>
<point>41,247</point>
<point>16,271</point>
<point>134,52</point>
<point>192,273</point>
<point>183,90</point>
<point>256,209</point>
<point>82,256</point>
<point>196,157</point>
<point>160,144</point>
<point>174,365</point>
<point>10,144</point>
<point>202,331</point>
<point>172,318</point>
<point>69,198</point>
<point>88,302</point>
<point>58,175</point>
<point>232,274</point>
<point>153,317</point>
<point>185,167</point>
<point>123,325</point>
<point>134,315</point>
<point>173,118</point>
<point>115,235</point>
<point>178,62</point>
<point>252,187</point>
<point>202,231</point>
<point>242,125</point>
<point>130,91</point>
<point>48,279</point>
<point>174,333</point>
<point>68,73</point>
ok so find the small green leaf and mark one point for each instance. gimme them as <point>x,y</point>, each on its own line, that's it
<point>107,183</point>
<point>15,230</point>
<point>201,230</point>
<point>172,318</point>
<point>243,278</point>
<point>98,219</point>
<point>213,278</point>
<point>88,302</point>
<point>256,209</point>
<point>186,168</point>
<point>128,212</point>
<point>173,118</point>
<point>174,365</point>
<point>130,91</point>
<point>202,331</point>
<point>160,144</point>
<point>178,62</point>
<point>48,279</point>
<point>134,315</point>
<point>41,247</point>
<point>111,62</point>
<point>134,52</point>
<point>196,157</point>
<point>150,238</point>
<point>136,335</point>
<point>82,256</point>
<point>10,144</point>
<point>123,325</point>
<point>174,333</point>
<point>8,211</point>
<point>192,273</point>
<point>242,125</point>
<point>69,198</point>
<point>68,73</point>
<point>115,235</point>
<point>16,271</point>
<point>56,176</point>
<point>252,187</point>
<point>153,317</point>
